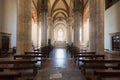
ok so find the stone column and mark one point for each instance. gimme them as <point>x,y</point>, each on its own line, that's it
<point>43,23</point>
<point>50,24</point>
<point>69,31</point>
<point>81,27</point>
<point>24,19</point>
<point>38,33</point>
<point>76,26</point>
<point>96,21</point>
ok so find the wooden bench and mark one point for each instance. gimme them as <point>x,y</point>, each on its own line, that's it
<point>10,75</point>
<point>86,53</point>
<point>107,73</point>
<point>29,56</point>
<point>37,53</point>
<point>100,61</point>
<point>40,58</point>
<point>99,64</point>
<point>79,53</point>
<point>46,51</point>
<point>91,56</point>
<point>19,65</point>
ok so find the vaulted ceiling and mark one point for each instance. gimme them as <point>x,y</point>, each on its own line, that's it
<point>60,9</point>
<point>57,9</point>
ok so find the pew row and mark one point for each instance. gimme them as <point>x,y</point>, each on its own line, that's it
<point>99,64</point>
<point>29,56</point>
<point>19,65</point>
<point>107,73</point>
<point>89,56</point>
<point>9,75</point>
<point>80,53</point>
<point>38,53</point>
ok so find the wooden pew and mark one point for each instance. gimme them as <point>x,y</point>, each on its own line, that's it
<point>107,73</point>
<point>10,75</point>
<point>86,53</point>
<point>99,64</point>
<point>19,65</point>
<point>46,50</point>
<point>37,53</point>
<point>80,53</point>
<point>39,58</point>
<point>100,61</point>
<point>28,56</point>
<point>91,56</point>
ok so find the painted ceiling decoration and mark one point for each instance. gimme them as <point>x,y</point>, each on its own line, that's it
<point>57,9</point>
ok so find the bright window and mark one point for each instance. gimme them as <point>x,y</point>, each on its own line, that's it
<point>60,35</point>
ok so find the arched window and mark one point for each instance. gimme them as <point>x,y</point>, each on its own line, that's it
<point>60,35</point>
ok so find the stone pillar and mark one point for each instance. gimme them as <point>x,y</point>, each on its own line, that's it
<point>96,21</point>
<point>24,19</point>
<point>43,23</point>
<point>38,33</point>
<point>69,31</point>
<point>76,26</point>
<point>50,24</point>
<point>81,27</point>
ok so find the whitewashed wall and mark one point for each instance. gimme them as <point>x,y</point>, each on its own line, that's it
<point>1,14</point>
<point>9,18</point>
<point>112,23</point>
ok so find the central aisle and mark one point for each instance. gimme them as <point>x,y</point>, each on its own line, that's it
<point>59,67</point>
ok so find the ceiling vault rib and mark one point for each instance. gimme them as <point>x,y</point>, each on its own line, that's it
<point>86,3</point>
<point>61,13</point>
<point>34,4</point>
<point>66,6</point>
<point>55,3</point>
<point>59,9</point>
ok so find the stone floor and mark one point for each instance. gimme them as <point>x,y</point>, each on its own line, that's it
<point>59,67</point>
<point>59,73</point>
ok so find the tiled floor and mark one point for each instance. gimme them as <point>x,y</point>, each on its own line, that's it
<point>59,67</point>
